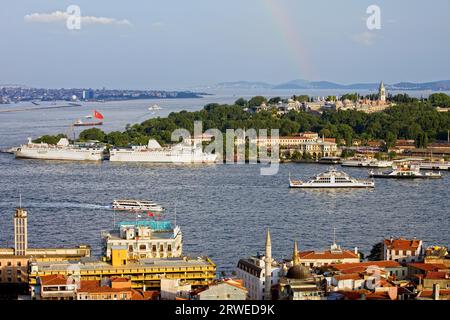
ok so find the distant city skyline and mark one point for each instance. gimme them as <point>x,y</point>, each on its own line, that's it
<point>176,45</point>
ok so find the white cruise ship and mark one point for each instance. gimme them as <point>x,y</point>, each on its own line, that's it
<point>367,163</point>
<point>332,179</point>
<point>63,150</point>
<point>153,152</point>
<point>136,205</point>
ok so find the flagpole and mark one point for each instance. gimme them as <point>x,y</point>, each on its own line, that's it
<point>175,213</point>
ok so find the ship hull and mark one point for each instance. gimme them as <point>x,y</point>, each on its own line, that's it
<point>331,186</point>
<point>88,124</point>
<point>59,155</point>
<point>366,165</point>
<point>160,157</point>
<point>386,176</point>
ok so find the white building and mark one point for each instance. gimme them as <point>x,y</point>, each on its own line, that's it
<point>145,239</point>
<point>174,288</point>
<point>253,272</point>
<point>403,250</point>
<point>227,289</point>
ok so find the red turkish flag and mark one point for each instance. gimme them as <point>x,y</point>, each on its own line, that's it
<point>98,115</point>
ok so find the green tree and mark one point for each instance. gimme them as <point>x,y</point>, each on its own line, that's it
<point>257,101</point>
<point>241,102</point>
<point>376,254</point>
<point>439,100</point>
<point>92,134</point>
<point>50,139</point>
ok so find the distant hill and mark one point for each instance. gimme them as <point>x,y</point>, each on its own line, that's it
<point>244,85</point>
<point>443,85</point>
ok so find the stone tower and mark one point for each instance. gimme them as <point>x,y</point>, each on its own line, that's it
<point>20,232</point>
<point>268,268</point>
<point>382,92</point>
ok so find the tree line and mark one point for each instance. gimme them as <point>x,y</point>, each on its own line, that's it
<point>411,118</point>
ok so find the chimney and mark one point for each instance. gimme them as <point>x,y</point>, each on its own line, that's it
<point>436,290</point>
<point>356,250</point>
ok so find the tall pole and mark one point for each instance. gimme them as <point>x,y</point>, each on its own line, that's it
<point>268,267</point>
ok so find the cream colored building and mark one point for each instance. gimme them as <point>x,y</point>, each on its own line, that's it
<point>308,142</point>
<point>145,239</point>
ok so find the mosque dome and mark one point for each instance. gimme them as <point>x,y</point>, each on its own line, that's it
<point>298,272</point>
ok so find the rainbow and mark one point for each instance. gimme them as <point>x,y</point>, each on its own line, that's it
<point>292,37</point>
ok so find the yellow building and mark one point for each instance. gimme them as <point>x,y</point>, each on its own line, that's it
<point>144,274</point>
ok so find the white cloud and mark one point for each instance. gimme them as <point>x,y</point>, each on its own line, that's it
<point>58,16</point>
<point>366,38</point>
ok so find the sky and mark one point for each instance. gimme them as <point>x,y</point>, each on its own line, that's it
<point>172,44</point>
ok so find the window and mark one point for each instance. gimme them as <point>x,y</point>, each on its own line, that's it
<point>9,263</point>
<point>142,247</point>
<point>19,264</point>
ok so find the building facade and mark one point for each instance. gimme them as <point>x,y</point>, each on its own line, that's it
<point>403,250</point>
<point>145,239</point>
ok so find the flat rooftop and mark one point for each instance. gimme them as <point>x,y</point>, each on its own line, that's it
<point>115,235</point>
<point>143,263</point>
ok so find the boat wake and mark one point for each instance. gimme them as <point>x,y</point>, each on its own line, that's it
<point>61,205</point>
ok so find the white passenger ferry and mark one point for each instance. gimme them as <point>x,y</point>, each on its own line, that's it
<point>405,169</point>
<point>137,205</point>
<point>332,179</point>
<point>367,163</point>
<point>63,150</point>
<point>153,152</point>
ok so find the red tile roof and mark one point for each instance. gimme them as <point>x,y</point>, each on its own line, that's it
<point>437,275</point>
<point>428,266</point>
<point>144,295</point>
<point>402,244</point>
<point>53,280</point>
<point>328,255</point>
<point>364,265</point>
<point>119,279</point>
<point>93,286</point>
<point>350,276</point>
<point>429,294</point>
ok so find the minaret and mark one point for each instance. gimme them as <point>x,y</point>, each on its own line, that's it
<point>295,261</point>
<point>268,267</point>
<point>382,92</point>
<point>20,231</point>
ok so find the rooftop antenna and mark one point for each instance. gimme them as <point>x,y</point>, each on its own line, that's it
<point>20,200</point>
